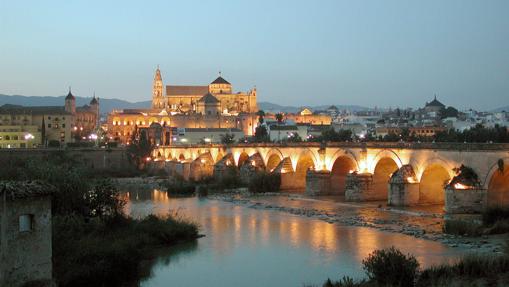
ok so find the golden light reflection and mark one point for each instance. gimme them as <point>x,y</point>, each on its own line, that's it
<point>160,196</point>
<point>323,237</point>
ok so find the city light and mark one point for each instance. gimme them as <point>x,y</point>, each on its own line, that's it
<point>460,186</point>
<point>29,137</point>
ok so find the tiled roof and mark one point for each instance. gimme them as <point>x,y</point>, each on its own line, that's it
<point>186,90</point>
<point>220,80</point>
<point>25,189</point>
<point>435,103</point>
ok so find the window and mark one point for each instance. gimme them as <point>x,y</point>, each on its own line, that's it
<point>26,222</point>
<point>63,125</point>
<point>49,118</point>
<point>49,125</point>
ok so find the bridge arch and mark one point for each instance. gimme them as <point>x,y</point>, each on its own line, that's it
<point>272,159</point>
<point>385,166</point>
<point>306,160</point>
<point>435,174</point>
<point>343,164</point>
<point>342,153</point>
<point>497,184</point>
<point>385,153</point>
<point>241,159</point>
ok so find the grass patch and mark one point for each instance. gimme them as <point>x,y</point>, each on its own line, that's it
<point>470,270</point>
<point>97,252</point>
<point>391,268</point>
<point>462,227</point>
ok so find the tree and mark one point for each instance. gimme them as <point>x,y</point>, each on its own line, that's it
<point>294,138</point>
<point>449,112</point>
<point>227,138</point>
<point>261,115</point>
<point>330,135</point>
<point>279,117</point>
<point>139,148</point>
<point>261,134</point>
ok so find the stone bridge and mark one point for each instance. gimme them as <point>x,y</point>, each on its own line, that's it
<point>402,173</point>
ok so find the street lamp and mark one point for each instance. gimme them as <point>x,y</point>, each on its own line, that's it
<point>28,137</point>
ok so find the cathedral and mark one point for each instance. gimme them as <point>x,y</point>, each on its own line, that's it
<point>216,98</point>
<point>213,106</point>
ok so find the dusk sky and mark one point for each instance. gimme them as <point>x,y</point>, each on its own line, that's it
<point>369,53</point>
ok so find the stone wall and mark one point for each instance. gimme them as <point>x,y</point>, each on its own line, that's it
<point>115,159</point>
<point>465,200</point>
<point>26,256</point>
<point>359,187</point>
<point>318,182</point>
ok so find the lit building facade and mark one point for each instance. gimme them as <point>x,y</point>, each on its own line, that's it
<point>35,126</point>
<point>213,106</point>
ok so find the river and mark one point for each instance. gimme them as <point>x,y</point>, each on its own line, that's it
<point>256,247</point>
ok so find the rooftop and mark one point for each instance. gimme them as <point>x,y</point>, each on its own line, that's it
<point>186,90</point>
<point>15,190</point>
<point>209,99</point>
<point>220,80</point>
<point>17,109</point>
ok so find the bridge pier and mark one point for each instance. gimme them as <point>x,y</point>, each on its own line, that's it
<point>318,182</point>
<point>403,187</point>
<point>359,187</point>
<point>470,200</point>
<point>287,174</point>
<point>200,169</point>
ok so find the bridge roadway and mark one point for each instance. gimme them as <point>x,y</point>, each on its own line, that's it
<point>401,173</point>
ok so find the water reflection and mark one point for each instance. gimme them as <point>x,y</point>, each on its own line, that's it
<point>277,249</point>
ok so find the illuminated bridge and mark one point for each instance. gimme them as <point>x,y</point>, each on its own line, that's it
<point>401,173</point>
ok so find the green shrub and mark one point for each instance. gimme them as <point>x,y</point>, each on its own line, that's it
<point>265,182</point>
<point>179,187</point>
<point>390,267</point>
<point>468,268</point>
<point>344,282</point>
<point>107,252</point>
<point>462,227</point>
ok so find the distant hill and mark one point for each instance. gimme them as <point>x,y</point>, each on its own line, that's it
<point>497,110</point>
<point>274,108</point>
<point>106,105</point>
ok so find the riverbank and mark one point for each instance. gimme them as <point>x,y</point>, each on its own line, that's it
<point>424,224</point>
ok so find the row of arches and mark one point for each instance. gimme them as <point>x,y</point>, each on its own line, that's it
<point>433,175</point>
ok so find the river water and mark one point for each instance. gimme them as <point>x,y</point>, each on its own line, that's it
<point>255,247</point>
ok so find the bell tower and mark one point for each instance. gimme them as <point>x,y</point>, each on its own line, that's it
<point>158,101</point>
